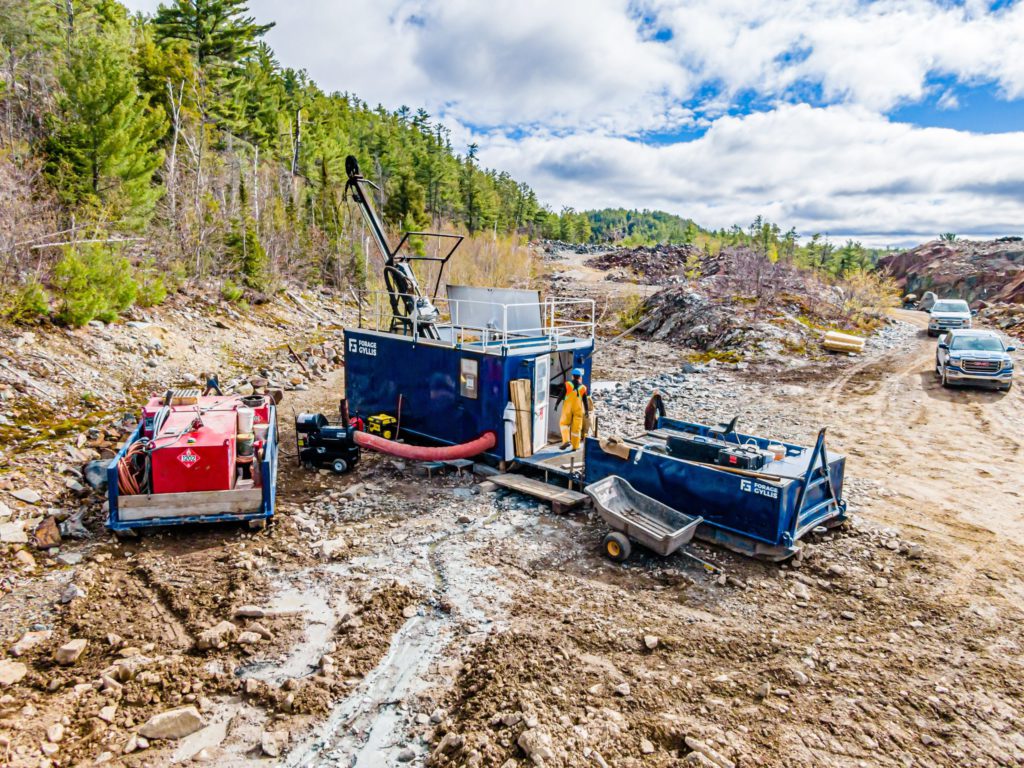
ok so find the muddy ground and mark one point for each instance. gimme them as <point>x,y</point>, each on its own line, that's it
<point>393,618</point>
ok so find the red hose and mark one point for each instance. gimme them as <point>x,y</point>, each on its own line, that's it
<point>423,453</point>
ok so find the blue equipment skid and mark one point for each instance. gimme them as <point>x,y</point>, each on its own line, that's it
<point>763,514</point>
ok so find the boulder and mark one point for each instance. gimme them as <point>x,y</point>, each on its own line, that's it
<point>217,636</point>
<point>69,653</point>
<point>536,745</point>
<point>27,495</point>
<point>29,641</point>
<point>95,474</point>
<point>173,724</point>
<point>11,672</point>
<point>13,533</point>
<point>47,534</point>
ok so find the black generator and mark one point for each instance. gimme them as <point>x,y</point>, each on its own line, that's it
<point>710,450</point>
<point>322,445</point>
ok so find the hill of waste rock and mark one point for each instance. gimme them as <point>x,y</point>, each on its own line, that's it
<point>991,271</point>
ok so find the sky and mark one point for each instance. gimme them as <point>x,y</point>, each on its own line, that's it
<point>886,122</point>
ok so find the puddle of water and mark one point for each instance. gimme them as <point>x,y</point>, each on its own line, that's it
<point>366,729</point>
<point>308,595</point>
<point>361,731</point>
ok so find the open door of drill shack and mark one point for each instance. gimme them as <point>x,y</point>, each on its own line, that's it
<point>196,459</point>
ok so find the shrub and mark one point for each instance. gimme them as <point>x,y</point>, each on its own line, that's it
<point>869,293</point>
<point>29,303</point>
<point>230,291</point>
<point>93,283</point>
<point>151,288</point>
<point>633,312</point>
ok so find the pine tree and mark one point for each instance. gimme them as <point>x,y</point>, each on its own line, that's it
<point>218,33</point>
<point>102,150</point>
<point>222,39</point>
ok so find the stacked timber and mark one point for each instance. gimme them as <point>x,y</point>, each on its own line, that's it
<point>520,393</point>
<point>843,342</point>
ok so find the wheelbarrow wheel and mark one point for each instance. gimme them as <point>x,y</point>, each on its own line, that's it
<point>617,547</point>
<point>339,466</point>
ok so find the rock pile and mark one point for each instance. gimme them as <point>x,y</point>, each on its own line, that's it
<point>657,265</point>
<point>988,270</point>
<point>1008,318</point>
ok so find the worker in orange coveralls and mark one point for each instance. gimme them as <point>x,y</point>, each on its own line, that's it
<point>573,408</point>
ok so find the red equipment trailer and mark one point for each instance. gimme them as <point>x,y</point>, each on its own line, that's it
<point>196,459</point>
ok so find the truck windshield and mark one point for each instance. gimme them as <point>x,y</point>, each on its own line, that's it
<point>976,344</point>
<point>951,306</point>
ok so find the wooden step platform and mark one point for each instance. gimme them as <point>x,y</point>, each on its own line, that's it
<point>561,499</point>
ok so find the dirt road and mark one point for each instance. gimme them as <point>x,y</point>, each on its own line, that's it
<point>958,452</point>
<point>413,620</point>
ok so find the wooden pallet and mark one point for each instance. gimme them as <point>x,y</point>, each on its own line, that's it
<point>561,499</point>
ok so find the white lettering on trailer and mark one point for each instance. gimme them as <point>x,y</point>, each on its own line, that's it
<point>759,489</point>
<point>362,347</point>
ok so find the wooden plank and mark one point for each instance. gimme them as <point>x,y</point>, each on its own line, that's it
<point>239,501</point>
<point>519,391</point>
<point>540,490</point>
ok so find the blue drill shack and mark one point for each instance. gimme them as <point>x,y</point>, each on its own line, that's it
<point>458,381</point>
<point>474,368</point>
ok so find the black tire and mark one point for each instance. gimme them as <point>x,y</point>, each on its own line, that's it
<point>945,379</point>
<point>340,466</point>
<point>616,546</point>
<point>1008,387</point>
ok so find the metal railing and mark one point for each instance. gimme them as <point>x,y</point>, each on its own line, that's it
<point>562,321</point>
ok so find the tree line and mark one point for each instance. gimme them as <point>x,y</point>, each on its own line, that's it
<point>175,147</point>
<point>632,228</point>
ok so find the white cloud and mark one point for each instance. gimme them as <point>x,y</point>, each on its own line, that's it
<point>874,54</point>
<point>841,170</point>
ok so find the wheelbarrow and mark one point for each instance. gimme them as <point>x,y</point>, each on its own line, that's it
<point>634,516</point>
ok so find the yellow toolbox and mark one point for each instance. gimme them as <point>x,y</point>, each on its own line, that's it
<point>382,424</point>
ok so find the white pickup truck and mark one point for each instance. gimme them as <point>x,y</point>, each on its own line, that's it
<point>948,314</point>
<point>974,357</point>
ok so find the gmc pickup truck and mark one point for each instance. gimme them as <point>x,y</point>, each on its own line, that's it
<point>974,357</point>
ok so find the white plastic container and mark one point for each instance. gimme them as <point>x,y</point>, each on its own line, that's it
<point>777,450</point>
<point>246,417</point>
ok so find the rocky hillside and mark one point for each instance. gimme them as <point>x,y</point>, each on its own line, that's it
<point>976,270</point>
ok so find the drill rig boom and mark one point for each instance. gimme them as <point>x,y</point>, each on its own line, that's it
<point>411,310</point>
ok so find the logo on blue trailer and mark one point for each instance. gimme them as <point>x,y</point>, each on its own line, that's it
<point>759,489</point>
<point>362,347</point>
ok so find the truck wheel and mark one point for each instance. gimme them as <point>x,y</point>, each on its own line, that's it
<point>340,466</point>
<point>617,547</point>
<point>1008,387</point>
<point>945,379</point>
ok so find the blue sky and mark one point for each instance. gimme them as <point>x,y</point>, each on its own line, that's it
<point>888,121</point>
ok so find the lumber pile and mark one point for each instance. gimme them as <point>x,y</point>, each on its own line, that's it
<point>521,400</point>
<point>843,342</point>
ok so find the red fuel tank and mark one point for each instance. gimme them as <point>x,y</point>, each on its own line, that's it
<point>202,460</point>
